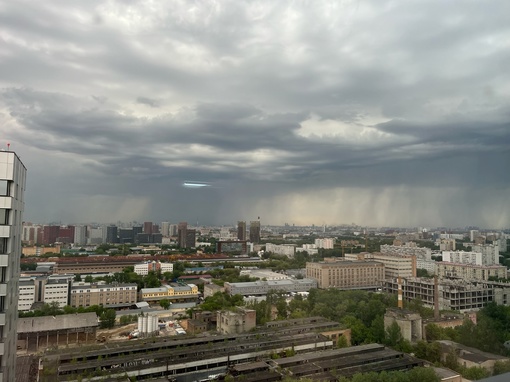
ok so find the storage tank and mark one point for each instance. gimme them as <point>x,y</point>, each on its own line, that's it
<point>140,324</point>
<point>150,324</point>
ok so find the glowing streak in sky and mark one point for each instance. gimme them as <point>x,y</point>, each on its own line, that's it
<point>195,184</point>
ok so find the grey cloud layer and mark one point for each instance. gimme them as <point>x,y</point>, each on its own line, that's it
<point>267,99</point>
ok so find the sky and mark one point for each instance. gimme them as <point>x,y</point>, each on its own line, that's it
<point>381,113</point>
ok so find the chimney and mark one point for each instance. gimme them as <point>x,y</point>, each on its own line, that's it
<point>436,299</point>
<point>400,301</point>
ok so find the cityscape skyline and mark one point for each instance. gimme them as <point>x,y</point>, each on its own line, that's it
<point>386,114</point>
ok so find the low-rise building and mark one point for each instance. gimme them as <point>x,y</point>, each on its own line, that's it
<point>257,288</point>
<point>410,323</point>
<point>211,289</point>
<point>175,292</point>
<point>54,331</point>
<point>153,266</point>
<point>107,295</point>
<point>283,249</point>
<point>345,274</point>
<point>470,357</point>
<point>235,322</point>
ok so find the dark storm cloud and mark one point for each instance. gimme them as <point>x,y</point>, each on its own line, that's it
<point>299,110</point>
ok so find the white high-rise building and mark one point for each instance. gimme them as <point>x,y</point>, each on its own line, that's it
<point>165,229</point>
<point>326,243</point>
<point>12,188</point>
<point>490,253</point>
<point>80,235</point>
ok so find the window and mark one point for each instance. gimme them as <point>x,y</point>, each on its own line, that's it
<point>4,216</point>
<point>4,187</point>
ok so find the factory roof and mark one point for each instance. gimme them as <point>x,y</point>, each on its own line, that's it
<point>62,322</point>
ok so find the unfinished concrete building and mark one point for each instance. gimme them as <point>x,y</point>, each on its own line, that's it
<point>452,294</point>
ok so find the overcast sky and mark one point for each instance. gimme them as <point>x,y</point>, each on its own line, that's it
<point>388,113</point>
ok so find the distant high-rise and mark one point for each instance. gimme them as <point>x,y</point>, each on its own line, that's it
<point>255,231</point>
<point>12,188</point>
<point>147,227</point>
<point>191,237</point>
<point>80,235</point>
<point>165,229</point>
<point>112,234</point>
<point>182,230</point>
<point>241,231</point>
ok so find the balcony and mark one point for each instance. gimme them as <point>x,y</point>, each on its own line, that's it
<point>2,319</point>
<point>4,260</point>
<point>3,289</point>
<point>5,231</point>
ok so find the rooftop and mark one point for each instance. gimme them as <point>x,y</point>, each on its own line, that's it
<point>62,322</point>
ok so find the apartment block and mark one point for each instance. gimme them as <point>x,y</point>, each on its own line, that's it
<point>490,253</point>
<point>463,257</point>
<point>115,295</point>
<point>470,272</point>
<point>395,264</point>
<point>326,243</point>
<point>12,188</point>
<point>345,274</point>
<point>44,289</point>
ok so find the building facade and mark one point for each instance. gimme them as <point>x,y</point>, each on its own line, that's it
<point>345,274</point>
<point>395,264</point>
<point>175,292</point>
<point>12,189</point>
<point>288,250</point>
<point>235,322</point>
<point>255,231</point>
<point>153,266</point>
<point>470,272</point>
<point>88,294</point>
<point>241,230</point>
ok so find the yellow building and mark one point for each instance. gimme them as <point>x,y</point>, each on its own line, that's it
<point>173,292</point>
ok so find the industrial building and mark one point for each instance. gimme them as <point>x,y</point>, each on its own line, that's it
<point>236,321</point>
<point>345,274</point>
<point>178,357</point>
<point>258,288</point>
<point>12,189</point>
<point>175,292</point>
<point>35,333</point>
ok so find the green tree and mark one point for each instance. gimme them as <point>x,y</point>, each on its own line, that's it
<point>107,319</point>
<point>89,279</point>
<point>165,303</point>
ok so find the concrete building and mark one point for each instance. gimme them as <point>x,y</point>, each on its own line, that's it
<point>409,248</point>
<point>463,257</point>
<point>470,272</point>
<point>326,243</point>
<point>395,264</point>
<point>36,333</point>
<point>255,231</point>
<point>428,265</point>
<point>235,322</point>
<point>211,289</point>
<point>182,232</point>
<point>112,235</point>
<point>447,245</point>
<point>410,323</point>
<point>165,229</point>
<point>107,295</point>
<point>265,274</point>
<point>283,249</point>
<point>80,235</point>
<point>12,202</point>
<point>258,288</point>
<point>345,274</point>
<point>96,236</point>
<point>452,294</point>
<point>153,266</point>
<point>490,253</point>
<point>43,289</point>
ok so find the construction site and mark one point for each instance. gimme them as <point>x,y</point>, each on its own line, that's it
<point>295,347</point>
